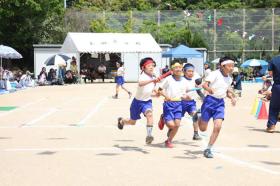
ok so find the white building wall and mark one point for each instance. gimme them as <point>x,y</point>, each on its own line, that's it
<point>42,54</point>
<point>131,64</point>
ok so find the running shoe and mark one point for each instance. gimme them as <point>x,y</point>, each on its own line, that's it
<point>120,125</point>
<point>196,137</point>
<point>161,122</point>
<point>149,139</point>
<point>208,154</point>
<point>168,144</point>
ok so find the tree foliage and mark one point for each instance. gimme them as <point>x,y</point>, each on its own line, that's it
<point>24,23</point>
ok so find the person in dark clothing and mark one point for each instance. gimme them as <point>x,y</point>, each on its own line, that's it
<point>236,83</point>
<point>274,107</point>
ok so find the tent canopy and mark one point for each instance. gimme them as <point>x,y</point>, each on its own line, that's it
<point>109,43</point>
<point>182,51</point>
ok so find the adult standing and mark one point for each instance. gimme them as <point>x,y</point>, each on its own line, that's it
<point>274,107</point>
<point>101,71</point>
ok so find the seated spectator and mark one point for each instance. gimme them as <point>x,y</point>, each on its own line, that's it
<point>26,80</point>
<point>236,83</point>
<point>266,85</point>
<point>69,78</point>
<point>52,77</point>
<point>85,74</point>
<point>42,77</point>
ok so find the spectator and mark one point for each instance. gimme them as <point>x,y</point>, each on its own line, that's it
<point>165,70</point>
<point>69,77</point>
<point>236,83</point>
<point>42,78</point>
<point>207,69</point>
<point>52,77</point>
<point>101,71</point>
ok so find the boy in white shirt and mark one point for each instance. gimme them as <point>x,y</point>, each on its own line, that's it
<point>142,103</point>
<point>217,84</point>
<point>189,104</point>
<point>173,89</point>
<point>119,79</point>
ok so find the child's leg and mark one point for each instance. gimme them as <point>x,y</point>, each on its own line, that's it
<point>149,116</point>
<point>128,121</point>
<point>117,91</point>
<point>202,125</point>
<point>195,126</point>
<point>129,93</point>
<point>216,131</point>
<point>174,126</point>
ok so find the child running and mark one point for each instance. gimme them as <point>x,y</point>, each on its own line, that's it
<point>119,79</point>
<point>142,103</point>
<point>189,104</point>
<point>217,84</point>
<point>173,89</point>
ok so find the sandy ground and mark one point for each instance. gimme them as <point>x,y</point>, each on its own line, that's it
<point>67,135</point>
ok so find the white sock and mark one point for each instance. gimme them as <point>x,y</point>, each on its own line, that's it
<point>209,147</point>
<point>149,130</point>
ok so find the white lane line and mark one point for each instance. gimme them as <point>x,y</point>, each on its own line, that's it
<point>246,149</point>
<point>96,149</point>
<point>237,161</point>
<point>23,107</point>
<point>53,110</point>
<point>93,111</point>
<point>245,164</point>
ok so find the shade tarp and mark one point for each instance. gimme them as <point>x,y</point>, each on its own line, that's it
<point>182,51</point>
<point>109,43</point>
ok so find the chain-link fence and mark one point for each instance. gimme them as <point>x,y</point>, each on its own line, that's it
<point>243,33</point>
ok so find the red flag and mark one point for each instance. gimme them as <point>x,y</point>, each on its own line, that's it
<point>220,22</point>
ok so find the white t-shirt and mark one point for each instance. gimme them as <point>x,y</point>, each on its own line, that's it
<point>144,93</point>
<point>120,71</point>
<point>174,89</point>
<point>207,72</point>
<point>191,85</point>
<point>219,83</point>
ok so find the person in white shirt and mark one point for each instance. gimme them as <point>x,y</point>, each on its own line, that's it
<point>207,69</point>
<point>217,84</point>
<point>119,79</point>
<point>173,89</point>
<point>189,105</point>
<point>142,103</point>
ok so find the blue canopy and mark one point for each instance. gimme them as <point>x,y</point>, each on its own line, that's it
<point>254,63</point>
<point>182,51</point>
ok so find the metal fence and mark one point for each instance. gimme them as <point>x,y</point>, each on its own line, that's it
<point>243,33</point>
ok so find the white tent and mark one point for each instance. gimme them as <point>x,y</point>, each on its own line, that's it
<point>132,47</point>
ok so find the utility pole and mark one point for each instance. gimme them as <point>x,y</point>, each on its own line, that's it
<point>272,30</point>
<point>243,35</point>
<point>215,33</point>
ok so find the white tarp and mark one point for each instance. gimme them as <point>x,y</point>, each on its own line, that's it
<point>109,43</point>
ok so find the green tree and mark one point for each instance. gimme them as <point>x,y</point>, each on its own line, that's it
<point>24,23</point>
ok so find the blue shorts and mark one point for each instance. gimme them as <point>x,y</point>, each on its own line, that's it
<point>137,107</point>
<point>188,106</point>
<point>119,80</point>
<point>212,108</point>
<point>274,107</point>
<point>172,110</point>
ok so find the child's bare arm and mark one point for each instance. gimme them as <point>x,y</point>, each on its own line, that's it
<point>206,87</point>
<point>231,96</point>
<point>161,93</point>
<point>143,83</point>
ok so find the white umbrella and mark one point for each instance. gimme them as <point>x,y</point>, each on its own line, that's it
<point>8,53</point>
<point>58,59</point>
<point>215,61</point>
